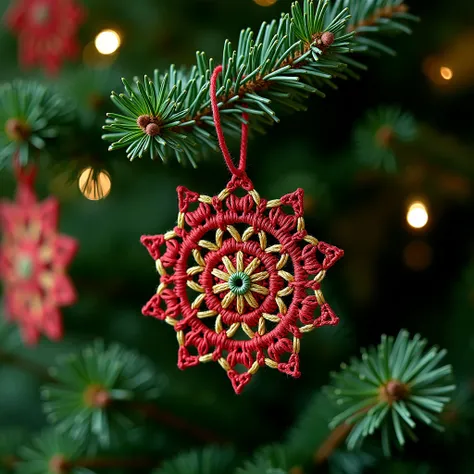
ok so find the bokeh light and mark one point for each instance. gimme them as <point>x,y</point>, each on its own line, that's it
<point>107,42</point>
<point>446,73</point>
<point>417,215</point>
<point>265,3</point>
<point>94,184</point>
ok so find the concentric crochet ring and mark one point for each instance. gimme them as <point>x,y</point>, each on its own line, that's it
<point>240,280</point>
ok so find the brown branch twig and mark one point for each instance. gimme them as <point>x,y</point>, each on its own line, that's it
<point>390,392</point>
<point>337,436</point>
<point>26,365</point>
<point>98,463</point>
<point>334,440</point>
<point>59,464</point>
<point>153,412</point>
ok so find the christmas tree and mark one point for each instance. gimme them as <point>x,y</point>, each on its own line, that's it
<point>296,356</point>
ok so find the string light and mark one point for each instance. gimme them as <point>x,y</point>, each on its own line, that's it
<point>436,69</point>
<point>417,215</point>
<point>446,73</point>
<point>265,3</point>
<point>107,42</point>
<point>94,184</point>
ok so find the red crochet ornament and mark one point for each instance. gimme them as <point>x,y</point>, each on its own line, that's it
<point>240,278</point>
<point>46,30</point>
<point>33,262</point>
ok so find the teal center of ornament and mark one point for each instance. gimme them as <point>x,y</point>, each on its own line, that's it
<point>24,267</point>
<point>239,283</point>
<point>41,14</point>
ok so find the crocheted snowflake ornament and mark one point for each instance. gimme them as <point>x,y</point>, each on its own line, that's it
<point>33,262</point>
<point>240,280</point>
<point>46,31</point>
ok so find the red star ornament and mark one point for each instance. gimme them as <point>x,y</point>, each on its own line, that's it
<point>47,31</point>
<point>240,280</point>
<point>33,262</point>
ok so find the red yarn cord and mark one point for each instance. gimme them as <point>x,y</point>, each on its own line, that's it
<point>24,174</point>
<point>240,171</point>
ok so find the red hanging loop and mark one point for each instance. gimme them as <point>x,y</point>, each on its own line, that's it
<point>24,174</point>
<point>240,171</point>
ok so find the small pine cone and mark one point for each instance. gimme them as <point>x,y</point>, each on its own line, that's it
<point>59,464</point>
<point>152,129</point>
<point>327,38</point>
<point>17,130</point>
<point>143,121</point>
<point>385,136</point>
<point>396,390</point>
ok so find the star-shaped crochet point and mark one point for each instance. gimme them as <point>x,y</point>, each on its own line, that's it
<point>240,280</point>
<point>47,31</point>
<point>33,262</point>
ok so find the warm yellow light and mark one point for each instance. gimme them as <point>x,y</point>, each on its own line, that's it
<point>417,215</point>
<point>107,42</point>
<point>265,3</point>
<point>94,185</point>
<point>446,73</point>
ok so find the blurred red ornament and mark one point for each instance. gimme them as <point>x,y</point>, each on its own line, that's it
<point>33,262</point>
<point>46,31</point>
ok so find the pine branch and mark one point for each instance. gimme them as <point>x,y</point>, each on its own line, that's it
<point>391,389</point>
<point>53,453</point>
<point>377,136</point>
<point>286,62</point>
<point>32,118</point>
<point>100,394</point>
<point>102,384</point>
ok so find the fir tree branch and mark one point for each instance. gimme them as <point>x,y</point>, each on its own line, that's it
<point>260,85</point>
<point>392,388</point>
<point>96,397</point>
<point>283,64</point>
<point>54,453</point>
<point>99,388</point>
